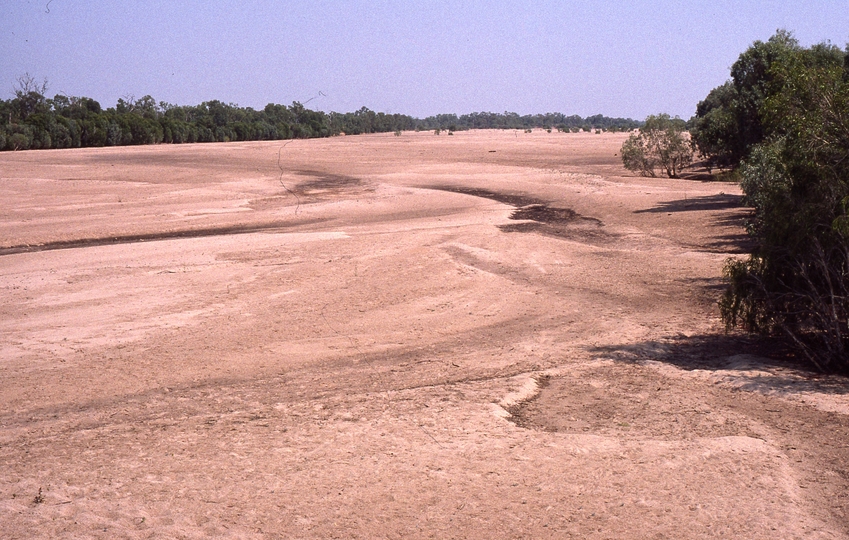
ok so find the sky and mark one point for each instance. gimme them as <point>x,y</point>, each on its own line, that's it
<point>618,58</point>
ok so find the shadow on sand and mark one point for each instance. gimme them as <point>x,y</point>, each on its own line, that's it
<point>738,242</point>
<point>732,351</point>
<point>721,201</point>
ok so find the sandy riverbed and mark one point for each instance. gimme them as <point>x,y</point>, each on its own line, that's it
<point>485,335</point>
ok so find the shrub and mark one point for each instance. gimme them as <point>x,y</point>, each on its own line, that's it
<point>660,143</point>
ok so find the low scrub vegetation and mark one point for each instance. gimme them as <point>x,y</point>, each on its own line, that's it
<point>661,143</point>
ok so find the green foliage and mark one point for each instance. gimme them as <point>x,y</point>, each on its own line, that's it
<point>736,116</point>
<point>743,302</point>
<point>31,120</point>
<point>715,128</point>
<point>19,141</point>
<point>70,122</point>
<point>796,178</point>
<point>636,156</point>
<point>510,120</point>
<point>660,144</point>
<point>368,121</point>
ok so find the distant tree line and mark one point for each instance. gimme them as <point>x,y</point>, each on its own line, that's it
<point>782,125</point>
<point>510,120</point>
<point>30,120</point>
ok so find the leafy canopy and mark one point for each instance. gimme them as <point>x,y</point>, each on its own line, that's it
<point>795,175</point>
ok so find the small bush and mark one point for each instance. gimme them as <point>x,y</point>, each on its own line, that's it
<point>661,143</point>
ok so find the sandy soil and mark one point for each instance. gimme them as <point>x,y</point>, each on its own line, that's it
<point>487,335</point>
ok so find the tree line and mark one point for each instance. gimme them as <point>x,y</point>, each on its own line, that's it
<point>31,120</point>
<point>511,120</point>
<point>781,124</point>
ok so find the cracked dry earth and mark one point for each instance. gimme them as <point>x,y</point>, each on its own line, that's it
<point>488,335</point>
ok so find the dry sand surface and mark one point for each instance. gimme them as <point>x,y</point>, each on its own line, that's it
<point>485,335</point>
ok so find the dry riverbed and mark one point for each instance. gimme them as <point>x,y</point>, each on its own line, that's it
<point>487,335</point>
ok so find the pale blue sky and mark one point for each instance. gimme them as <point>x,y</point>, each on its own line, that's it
<point>420,58</point>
